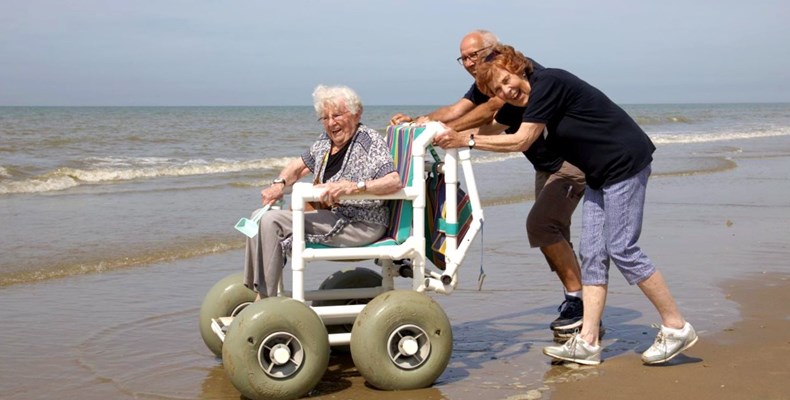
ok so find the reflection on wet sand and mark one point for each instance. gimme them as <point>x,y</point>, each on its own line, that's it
<point>562,372</point>
<point>216,386</point>
<point>341,379</point>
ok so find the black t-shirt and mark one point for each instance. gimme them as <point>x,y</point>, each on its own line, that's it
<point>538,154</point>
<point>335,161</point>
<point>586,128</point>
<point>475,95</point>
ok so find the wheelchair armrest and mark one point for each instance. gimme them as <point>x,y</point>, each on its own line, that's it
<point>305,191</point>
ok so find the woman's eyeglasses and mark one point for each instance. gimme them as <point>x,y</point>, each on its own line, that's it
<point>333,116</point>
<point>473,56</point>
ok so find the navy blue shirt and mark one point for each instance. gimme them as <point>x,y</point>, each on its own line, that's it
<point>538,154</point>
<point>586,128</point>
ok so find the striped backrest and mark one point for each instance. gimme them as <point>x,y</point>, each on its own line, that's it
<point>400,139</point>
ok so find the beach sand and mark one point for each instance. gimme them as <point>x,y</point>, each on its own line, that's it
<point>746,361</point>
<point>720,240</point>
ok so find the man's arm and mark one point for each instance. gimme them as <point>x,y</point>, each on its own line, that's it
<point>481,115</point>
<point>449,113</point>
<point>444,114</point>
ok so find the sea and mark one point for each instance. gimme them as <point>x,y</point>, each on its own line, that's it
<point>115,222</point>
<point>90,189</point>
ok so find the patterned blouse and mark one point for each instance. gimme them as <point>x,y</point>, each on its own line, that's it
<point>367,158</point>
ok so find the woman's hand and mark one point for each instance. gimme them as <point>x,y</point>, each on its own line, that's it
<point>449,139</point>
<point>272,193</point>
<point>334,190</point>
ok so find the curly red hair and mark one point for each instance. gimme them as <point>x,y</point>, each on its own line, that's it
<point>505,57</point>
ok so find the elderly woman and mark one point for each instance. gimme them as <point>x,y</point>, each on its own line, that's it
<point>347,158</point>
<point>583,126</point>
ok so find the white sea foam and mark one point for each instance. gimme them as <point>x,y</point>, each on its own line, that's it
<point>119,169</point>
<point>671,138</point>
<point>38,185</point>
<point>489,157</point>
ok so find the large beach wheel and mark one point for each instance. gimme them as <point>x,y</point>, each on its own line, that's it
<point>402,340</point>
<point>276,349</point>
<point>225,299</point>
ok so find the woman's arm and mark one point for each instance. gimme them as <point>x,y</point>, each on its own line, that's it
<point>387,184</point>
<point>292,172</point>
<point>520,141</point>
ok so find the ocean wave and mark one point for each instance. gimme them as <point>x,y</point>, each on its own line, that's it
<point>120,169</point>
<point>662,120</point>
<point>672,138</point>
<point>490,157</point>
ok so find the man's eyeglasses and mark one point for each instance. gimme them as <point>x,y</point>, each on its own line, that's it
<point>473,56</point>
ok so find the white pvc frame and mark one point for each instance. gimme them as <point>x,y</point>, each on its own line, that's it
<point>413,248</point>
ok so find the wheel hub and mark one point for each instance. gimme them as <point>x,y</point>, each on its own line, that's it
<point>280,355</point>
<point>408,346</point>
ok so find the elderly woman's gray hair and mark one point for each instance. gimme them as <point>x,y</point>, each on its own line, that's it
<point>335,95</point>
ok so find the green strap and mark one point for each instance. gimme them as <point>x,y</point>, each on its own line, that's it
<point>449,229</point>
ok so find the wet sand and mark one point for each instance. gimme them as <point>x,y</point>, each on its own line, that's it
<point>718,238</point>
<point>746,361</point>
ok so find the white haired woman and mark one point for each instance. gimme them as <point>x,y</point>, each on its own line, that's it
<point>347,158</point>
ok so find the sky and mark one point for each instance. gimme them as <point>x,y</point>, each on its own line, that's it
<point>266,52</point>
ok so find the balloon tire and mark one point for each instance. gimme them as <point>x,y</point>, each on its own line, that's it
<point>248,332</point>
<point>226,296</point>
<point>372,333</point>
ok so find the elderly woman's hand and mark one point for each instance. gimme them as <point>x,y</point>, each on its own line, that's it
<point>334,190</point>
<point>271,194</point>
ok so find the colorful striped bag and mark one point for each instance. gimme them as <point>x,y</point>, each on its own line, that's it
<point>436,228</point>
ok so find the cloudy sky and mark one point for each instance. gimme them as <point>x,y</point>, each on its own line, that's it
<point>268,52</point>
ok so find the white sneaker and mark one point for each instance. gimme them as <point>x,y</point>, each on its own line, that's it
<point>669,343</point>
<point>576,350</point>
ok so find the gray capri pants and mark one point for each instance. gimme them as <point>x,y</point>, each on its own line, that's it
<point>611,225</point>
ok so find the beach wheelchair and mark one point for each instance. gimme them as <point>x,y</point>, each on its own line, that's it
<point>399,339</point>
